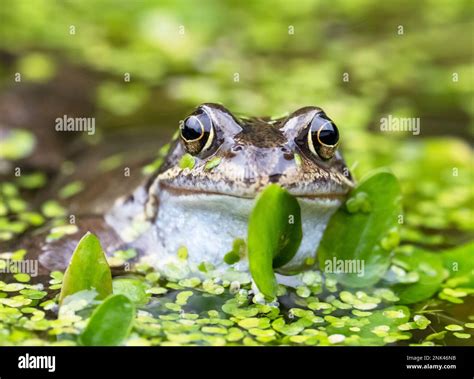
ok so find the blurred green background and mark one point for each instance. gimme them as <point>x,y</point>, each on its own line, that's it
<point>359,60</point>
<point>287,54</point>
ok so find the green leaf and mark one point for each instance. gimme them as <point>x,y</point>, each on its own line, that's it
<point>110,323</point>
<point>88,269</point>
<point>364,231</point>
<point>274,235</point>
<point>431,274</point>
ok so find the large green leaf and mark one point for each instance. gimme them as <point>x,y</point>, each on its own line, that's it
<point>274,235</point>
<point>110,323</point>
<point>88,269</point>
<point>363,232</point>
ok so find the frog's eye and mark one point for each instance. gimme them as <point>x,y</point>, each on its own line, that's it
<point>197,132</point>
<point>323,136</point>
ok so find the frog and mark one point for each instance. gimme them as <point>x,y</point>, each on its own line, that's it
<point>200,198</point>
<point>204,206</point>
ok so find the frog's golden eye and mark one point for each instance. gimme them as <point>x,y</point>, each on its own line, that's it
<point>323,136</point>
<point>197,132</point>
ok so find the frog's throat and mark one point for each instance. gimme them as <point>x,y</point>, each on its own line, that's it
<point>208,224</point>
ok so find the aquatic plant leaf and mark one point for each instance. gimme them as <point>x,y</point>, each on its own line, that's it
<point>110,322</point>
<point>363,232</point>
<point>88,269</point>
<point>274,235</point>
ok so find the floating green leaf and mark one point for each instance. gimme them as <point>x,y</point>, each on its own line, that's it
<point>274,235</point>
<point>88,269</point>
<point>110,322</point>
<point>356,231</point>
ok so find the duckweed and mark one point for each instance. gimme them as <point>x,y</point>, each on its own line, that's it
<point>187,161</point>
<point>454,327</point>
<point>183,253</point>
<point>462,335</point>
<point>212,163</point>
<point>71,189</point>
<point>52,208</point>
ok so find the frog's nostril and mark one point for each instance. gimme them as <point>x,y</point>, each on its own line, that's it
<point>289,156</point>
<point>274,178</point>
<point>236,148</point>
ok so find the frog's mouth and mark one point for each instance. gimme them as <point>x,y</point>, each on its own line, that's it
<point>249,193</point>
<point>246,178</point>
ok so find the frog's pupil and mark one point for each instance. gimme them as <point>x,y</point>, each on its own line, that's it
<point>192,129</point>
<point>329,135</point>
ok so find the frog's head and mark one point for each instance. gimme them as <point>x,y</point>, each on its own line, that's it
<point>239,156</point>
